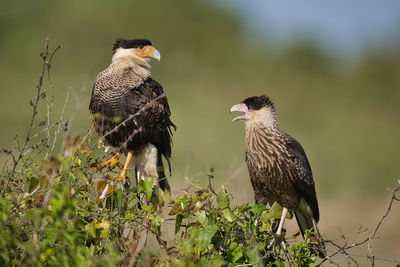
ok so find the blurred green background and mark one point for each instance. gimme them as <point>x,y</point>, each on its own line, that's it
<point>345,112</point>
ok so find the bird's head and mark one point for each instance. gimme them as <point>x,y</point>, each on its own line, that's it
<point>135,49</point>
<point>257,109</point>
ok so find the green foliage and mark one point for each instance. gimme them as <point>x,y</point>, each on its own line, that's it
<point>302,255</point>
<point>61,222</point>
<point>69,211</point>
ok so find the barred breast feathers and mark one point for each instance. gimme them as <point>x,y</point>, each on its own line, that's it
<point>125,72</point>
<point>266,149</point>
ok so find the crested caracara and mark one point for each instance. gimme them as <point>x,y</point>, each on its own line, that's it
<point>278,166</point>
<point>131,111</point>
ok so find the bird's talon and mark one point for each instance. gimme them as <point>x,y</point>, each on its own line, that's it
<point>111,163</point>
<point>278,239</point>
<point>119,177</point>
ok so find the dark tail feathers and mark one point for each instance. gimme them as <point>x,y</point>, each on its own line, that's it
<point>307,222</point>
<point>162,179</point>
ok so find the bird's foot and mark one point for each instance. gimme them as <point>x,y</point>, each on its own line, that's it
<point>276,240</point>
<point>121,176</point>
<point>111,163</point>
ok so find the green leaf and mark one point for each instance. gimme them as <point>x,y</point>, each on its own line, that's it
<point>146,209</point>
<point>279,263</point>
<point>227,215</point>
<point>216,261</point>
<point>147,187</point>
<point>266,225</point>
<point>275,212</point>
<point>176,208</point>
<point>204,236</point>
<point>178,222</point>
<point>252,255</point>
<point>223,200</point>
<point>33,182</point>
<point>237,254</point>
<point>201,216</point>
<point>158,220</point>
<point>165,196</point>
<point>258,209</point>
<point>180,204</point>
<point>79,173</point>
<point>90,229</point>
<point>118,196</point>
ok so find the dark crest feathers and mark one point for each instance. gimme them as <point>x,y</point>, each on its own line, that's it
<point>258,102</point>
<point>134,43</point>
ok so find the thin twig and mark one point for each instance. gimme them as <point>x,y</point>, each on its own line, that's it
<point>130,117</point>
<point>364,256</point>
<point>78,100</point>
<point>61,117</point>
<point>49,102</point>
<point>344,249</point>
<point>16,159</point>
<point>140,245</point>
<point>373,235</point>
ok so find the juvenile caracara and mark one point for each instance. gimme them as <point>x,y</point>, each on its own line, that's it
<point>278,166</point>
<point>131,111</point>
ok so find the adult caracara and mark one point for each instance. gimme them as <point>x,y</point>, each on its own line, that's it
<point>278,166</point>
<point>131,111</point>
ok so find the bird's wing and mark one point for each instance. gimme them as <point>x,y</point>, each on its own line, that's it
<point>301,174</point>
<point>149,102</point>
<point>150,105</point>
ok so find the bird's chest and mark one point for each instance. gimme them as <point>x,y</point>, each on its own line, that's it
<point>269,171</point>
<point>263,170</point>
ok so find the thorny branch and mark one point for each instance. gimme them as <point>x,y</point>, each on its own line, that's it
<point>123,123</point>
<point>344,249</point>
<point>140,245</point>
<point>61,117</point>
<point>47,56</point>
<point>130,117</point>
<point>78,102</point>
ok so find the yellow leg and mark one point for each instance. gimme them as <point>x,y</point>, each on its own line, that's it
<point>122,175</point>
<point>111,163</point>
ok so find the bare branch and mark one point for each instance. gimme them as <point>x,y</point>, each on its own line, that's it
<point>59,125</point>
<point>47,56</point>
<point>116,128</point>
<point>141,243</point>
<point>344,249</point>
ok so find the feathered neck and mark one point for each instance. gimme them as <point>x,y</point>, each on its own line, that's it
<point>262,127</point>
<point>264,118</point>
<point>125,58</point>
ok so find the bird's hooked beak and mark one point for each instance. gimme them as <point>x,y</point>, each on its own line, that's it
<point>241,108</point>
<point>148,51</point>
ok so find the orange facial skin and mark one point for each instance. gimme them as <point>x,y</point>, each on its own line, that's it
<point>146,51</point>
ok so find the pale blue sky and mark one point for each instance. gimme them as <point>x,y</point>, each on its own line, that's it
<point>340,25</point>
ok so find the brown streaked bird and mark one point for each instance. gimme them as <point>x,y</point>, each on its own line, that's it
<point>131,112</point>
<point>278,166</point>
